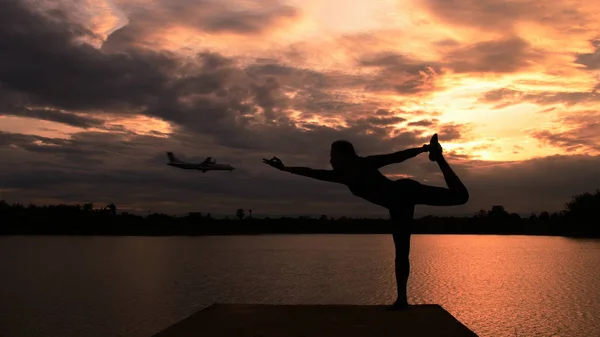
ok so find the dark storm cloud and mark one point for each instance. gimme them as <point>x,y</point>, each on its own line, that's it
<point>213,97</point>
<point>248,21</point>
<point>58,116</point>
<point>40,57</point>
<point>396,63</point>
<point>382,112</point>
<point>404,75</point>
<point>17,139</point>
<point>304,78</point>
<point>324,94</point>
<point>203,15</point>
<point>385,120</point>
<point>424,122</point>
<point>399,74</point>
<point>450,132</point>
<point>73,152</point>
<point>338,94</point>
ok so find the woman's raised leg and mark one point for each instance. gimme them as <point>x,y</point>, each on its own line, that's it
<point>455,194</point>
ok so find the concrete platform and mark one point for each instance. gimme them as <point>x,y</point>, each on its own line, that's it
<point>263,320</point>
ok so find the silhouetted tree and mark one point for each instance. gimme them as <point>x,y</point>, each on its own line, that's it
<point>89,207</point>
<point>583,214</point>
<point>481,213</point>
<point>498,212</point>
<point>240,214</point>
<point>585,207</point>
<point>533,217</point>
<point>112,208</point>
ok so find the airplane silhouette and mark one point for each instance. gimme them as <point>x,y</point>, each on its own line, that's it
<point>207,165</point>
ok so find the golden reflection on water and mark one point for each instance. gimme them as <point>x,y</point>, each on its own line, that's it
<point>136,286</point>
<point>536,286</point>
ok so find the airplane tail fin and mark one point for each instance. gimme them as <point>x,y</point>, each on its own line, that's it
<point>172,157</point>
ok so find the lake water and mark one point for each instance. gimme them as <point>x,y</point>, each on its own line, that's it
<point>136,286</point>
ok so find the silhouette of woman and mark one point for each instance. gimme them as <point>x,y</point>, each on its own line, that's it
<point>361,175</point>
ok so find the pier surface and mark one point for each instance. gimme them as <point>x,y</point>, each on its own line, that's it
<point>264,320</point>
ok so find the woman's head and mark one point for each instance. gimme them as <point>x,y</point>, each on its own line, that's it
<point>342,154</point>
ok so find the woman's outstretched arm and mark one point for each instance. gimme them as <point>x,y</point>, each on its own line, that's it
<point>325,175</point>
<point>381,160</point>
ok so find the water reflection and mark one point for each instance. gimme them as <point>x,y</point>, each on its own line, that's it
<point>135,286</point>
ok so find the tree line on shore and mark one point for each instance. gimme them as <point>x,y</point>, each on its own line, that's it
<point>579,218</point>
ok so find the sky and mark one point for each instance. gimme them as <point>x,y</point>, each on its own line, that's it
<point>94,92</point>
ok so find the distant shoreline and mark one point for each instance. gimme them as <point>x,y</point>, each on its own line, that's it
<point>274,234</point>
<point>579,219</point>
<point>218,230</point>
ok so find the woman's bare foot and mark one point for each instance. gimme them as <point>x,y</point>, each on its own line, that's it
<point>398,305</point>
<point>435,149</point>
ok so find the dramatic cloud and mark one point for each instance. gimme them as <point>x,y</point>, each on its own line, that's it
<point>591,60</point>
<point>502,16</point>
<point>91,99</point>
<point>576,132</point>
<point>149,21</point>
<point>502,56</point>
<point>505,97</point>
<point>57,116</point>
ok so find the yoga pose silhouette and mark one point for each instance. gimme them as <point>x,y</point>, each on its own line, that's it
<point>362,176</point>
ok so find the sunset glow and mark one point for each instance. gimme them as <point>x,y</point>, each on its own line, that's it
<point>500,81</point>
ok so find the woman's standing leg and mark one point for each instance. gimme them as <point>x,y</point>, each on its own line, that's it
<point>401,218</point>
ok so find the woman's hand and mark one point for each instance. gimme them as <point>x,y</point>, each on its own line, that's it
<point>275,162</point>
